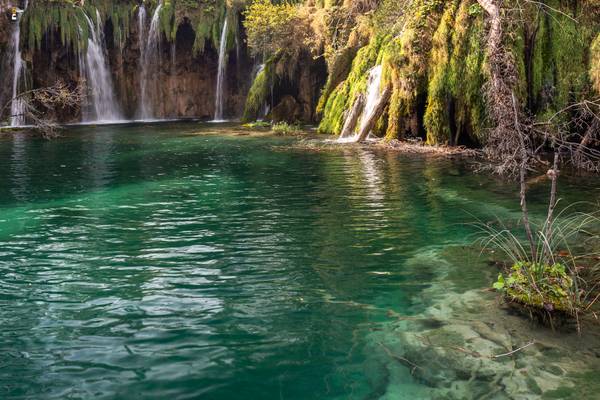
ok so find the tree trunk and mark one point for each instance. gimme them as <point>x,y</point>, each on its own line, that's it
<point>371,119</point>
<point>353,116</point>
<point>495,33</point>
<point>522,176</point>
<point>553,175</point>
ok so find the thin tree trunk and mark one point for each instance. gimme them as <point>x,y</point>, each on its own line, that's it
<point>372,119</point>
<point>553,175</point>
<point>495,33</point>
<point>353,116</point>
<point>522,176</point>
<point>589,134</point>
<point>523,197</point>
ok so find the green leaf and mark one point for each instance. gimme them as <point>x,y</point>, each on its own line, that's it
<point>499,284</point>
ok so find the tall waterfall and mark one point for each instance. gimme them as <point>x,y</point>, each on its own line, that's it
<point>220,98</point>
<point>373,95</point>
<point>16,106</point>
<point>150,56</point>
<point>97,74</point>
<point>141,29</point>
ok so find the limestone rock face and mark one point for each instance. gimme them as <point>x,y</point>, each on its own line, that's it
<point>288,109</point>
<point>181,84</point>
<point>296,89</point>
<point>6,29</point>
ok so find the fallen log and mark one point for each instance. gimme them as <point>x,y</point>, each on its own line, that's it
<point>353,116</point>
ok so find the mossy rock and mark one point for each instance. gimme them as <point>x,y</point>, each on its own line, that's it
<point>543,287</point>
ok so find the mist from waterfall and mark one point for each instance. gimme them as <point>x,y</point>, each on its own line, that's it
<point>17,107</point>
<point>222,69</point>
<point>150,58</point>
<point>373,96</point>
<point>95,68</point>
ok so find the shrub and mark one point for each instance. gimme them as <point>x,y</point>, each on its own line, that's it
<point>257,124</point>
<point>275,27</point>
<point>562,277</point>
<point>545,287</point>
<point>284,129</point>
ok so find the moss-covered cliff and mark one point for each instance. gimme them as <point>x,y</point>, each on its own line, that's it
<point>55,34</point>
<point>433,58</point>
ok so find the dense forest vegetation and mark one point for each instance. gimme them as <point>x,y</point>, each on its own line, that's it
<point>309,61</point>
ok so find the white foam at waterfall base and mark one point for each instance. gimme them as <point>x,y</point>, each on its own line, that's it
<point>220,99</point>
<point>104,105</point>
<point>150,59</point>
<point>17,107</point>
<point>373,96</point>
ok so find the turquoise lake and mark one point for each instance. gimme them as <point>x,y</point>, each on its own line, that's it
<point>197,261</point>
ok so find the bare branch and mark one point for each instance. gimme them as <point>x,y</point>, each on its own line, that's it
<point>40,106</point>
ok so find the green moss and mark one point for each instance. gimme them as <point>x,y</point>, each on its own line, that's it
<point>560,72</point>
<point>345,93</point>
<point>64,18</point>
<point>595,64</point>
<point>69,21</point>
<point>339,68</point>
<point>259,93</point>
<point>470,82</point>
<point>539,286</point>
<point>437,113</point>
<point>541,51</point>
<point>516,44</point>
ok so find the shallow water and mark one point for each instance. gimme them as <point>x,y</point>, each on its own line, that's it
<point>189,261</point>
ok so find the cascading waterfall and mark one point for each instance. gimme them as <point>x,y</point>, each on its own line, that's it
<point>103,100</point>
<point>373,96</point>
<point>257,71</point>
<point>150,56</point>
<point>220,98</point>
<point>17,107</point>
<point>141,30</point>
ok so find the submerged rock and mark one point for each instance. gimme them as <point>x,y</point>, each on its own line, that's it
<point>465,345</point>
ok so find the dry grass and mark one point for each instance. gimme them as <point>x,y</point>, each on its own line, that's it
<point>418,147</point>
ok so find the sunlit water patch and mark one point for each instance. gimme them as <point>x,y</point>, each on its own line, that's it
<point>198,261</point>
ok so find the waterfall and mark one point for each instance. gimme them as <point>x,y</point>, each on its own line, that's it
<point>373,92</point>
<point>221,74</point>
<point>150,57</point>
<point>173,56</point>
<point>257,70</point>
<point>17,107</point>
<point>97,75</point>
<point>141,30</point>
<point>373,95</point>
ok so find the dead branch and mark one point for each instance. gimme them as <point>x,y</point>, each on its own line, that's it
<point>401,359</point>
<point>40,106</point>
<point>353,116</point>
<point>371,119</point>
<point>514,351</point>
